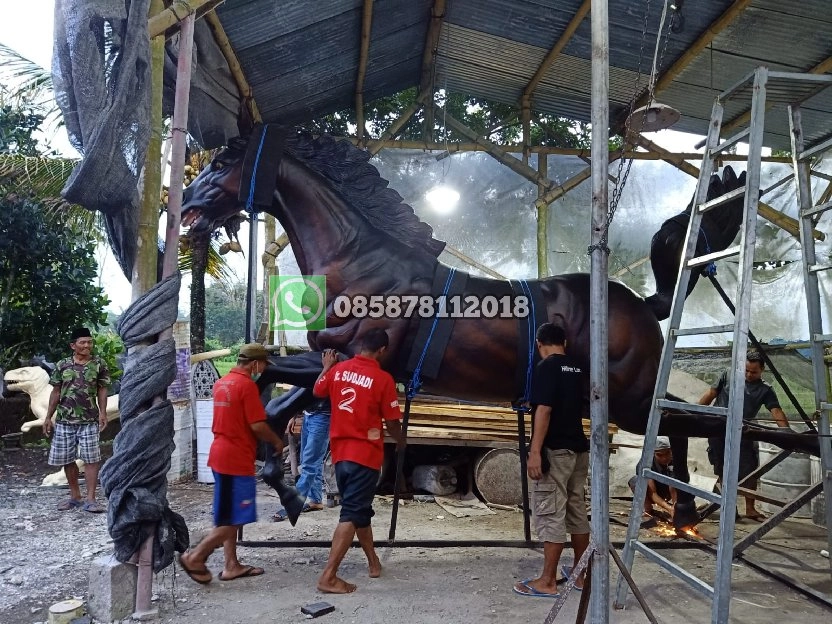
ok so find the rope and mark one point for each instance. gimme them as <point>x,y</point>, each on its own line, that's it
<point>710,268</point>
<point>250,200</point>
<point>530,329</point>
<point>416,382</point>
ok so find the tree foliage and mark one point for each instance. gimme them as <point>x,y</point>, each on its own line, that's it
<point>225,313</point>
<point>496,121</point>
<point>47,282</point>
<point>47,263</point>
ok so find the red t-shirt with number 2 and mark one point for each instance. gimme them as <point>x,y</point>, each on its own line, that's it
<point>362,396</point>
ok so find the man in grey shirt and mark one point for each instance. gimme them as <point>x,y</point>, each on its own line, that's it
<point>757,394</point>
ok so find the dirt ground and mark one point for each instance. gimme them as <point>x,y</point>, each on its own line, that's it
<point>46,555</point>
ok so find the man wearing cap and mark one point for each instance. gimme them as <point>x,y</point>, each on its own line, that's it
<point>659,494</point>
<point>79,396</point>
<point>239,421</point>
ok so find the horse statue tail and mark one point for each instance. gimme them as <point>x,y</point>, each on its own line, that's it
<point>718,228</point>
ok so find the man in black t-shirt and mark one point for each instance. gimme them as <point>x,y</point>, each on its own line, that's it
<point>757,394</point>
<point>557,399</point>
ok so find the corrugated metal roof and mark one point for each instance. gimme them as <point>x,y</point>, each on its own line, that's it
<point>301,57</point>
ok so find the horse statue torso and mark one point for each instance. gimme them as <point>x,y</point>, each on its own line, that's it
<point>385,250</point>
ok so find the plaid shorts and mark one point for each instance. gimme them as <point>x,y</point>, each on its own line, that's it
<point>71,441</point>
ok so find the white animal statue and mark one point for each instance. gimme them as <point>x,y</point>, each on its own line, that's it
<point>34,381</point>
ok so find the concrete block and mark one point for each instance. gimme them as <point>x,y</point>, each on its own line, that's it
<point>112,593</point>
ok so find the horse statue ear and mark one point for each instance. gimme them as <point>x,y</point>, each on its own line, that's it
<point>245,122</point>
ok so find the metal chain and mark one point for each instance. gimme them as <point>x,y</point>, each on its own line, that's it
<point>625,164</point>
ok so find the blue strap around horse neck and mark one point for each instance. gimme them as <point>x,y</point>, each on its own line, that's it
<point>530,334</point>
<point>710,268</point>
<point>260,166</point>
<point>416,381</point>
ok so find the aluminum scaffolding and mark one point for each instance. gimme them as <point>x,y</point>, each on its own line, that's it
<point>764,88</point>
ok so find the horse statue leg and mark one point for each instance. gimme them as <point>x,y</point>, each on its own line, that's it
<point>302,370</point>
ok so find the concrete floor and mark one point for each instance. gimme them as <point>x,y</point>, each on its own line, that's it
<point>473,584</point>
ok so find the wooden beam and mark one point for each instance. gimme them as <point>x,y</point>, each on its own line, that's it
<point>562,189</point>
<point>553,54</point>
<point>823,67</point>
<point>237,73</point>
<point>764,210</point>
<point>471,262</point>
<point>540,149</point>
<point>168,20</point>
<point>496,151</point>
<point>366,30</point>
<point>721,23</point>
<point>437,16</point>
<point>397,125</point>
<point>542,221</point>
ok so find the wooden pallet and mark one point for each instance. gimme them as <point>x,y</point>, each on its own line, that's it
<point>435,421</point>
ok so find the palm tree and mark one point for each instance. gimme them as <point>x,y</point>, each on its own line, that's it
<point>43,176</point>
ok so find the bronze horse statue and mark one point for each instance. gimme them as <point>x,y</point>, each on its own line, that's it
<point>344,222</point>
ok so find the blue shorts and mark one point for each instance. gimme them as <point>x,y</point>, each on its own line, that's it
<point>235,500</point>
<point>357,485</point>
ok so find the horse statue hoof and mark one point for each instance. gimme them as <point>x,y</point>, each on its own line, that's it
<point>290,498</point>
<point>685,514</point>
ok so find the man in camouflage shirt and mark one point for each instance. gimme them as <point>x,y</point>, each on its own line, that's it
<point>79,395</point>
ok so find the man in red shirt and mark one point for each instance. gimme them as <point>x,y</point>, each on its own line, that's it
<point>239,421</point>
<point>363,396</point>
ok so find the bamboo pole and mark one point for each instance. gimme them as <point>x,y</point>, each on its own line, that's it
<point>553,54</point>
<point>145,265</point>
<point>721,23</point>
<point>366,30</point>
<point>269,260</point>
<point>376,146</point>
<point>169,18</point>
<point>526,116</point>
<point>767,212</point>
<point>437,16</point>
<point>542,221</point>
<point>234,65</point>
<point>471,262</point>
<point>628,153</point>
<point>179,136</point>
<point>496,151</point>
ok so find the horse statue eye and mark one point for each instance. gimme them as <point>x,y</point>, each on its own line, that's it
<point>217,165</point>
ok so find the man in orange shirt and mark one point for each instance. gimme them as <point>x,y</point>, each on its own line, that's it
<point>363,396</point>
<point>239,421</point>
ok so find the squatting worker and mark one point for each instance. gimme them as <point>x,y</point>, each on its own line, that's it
<point>364,400</point>
<point>757,394</point>
<point>239,421</point>
<point>79,397</point>
<point>659,495</point>
<point>558,460</point>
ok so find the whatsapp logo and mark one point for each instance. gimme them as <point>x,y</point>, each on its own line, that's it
<point>297,302</point>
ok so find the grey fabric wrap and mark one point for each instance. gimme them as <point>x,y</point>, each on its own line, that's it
<point>102,86</point>
<point>135,477</point>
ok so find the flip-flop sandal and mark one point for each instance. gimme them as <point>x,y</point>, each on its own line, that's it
<point>196,575</point>
<point>247,571</point>
<point>280,515</point>
<point>757,518</point>
<point>93,507</point>
<point>532,593</point>
<point>307,507</point>
<point>69,504</point>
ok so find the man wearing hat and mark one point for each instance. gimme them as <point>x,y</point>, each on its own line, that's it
<point>79,397</point>
<point>239,421</point>
<point>659,494</point>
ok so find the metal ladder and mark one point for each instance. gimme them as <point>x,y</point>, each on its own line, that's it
<point>720,593</point>
<point>808,215</point>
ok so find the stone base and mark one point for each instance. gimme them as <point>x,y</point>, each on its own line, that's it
<point>112,593</point>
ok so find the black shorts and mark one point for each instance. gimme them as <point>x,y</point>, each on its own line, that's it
<point>357,485</point>
<point>749,457</point>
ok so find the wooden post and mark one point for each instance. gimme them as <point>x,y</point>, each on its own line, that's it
<point>542,221</point>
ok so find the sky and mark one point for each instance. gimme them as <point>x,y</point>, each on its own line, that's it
<point>28,28</point>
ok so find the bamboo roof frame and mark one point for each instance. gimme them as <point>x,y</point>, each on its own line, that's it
<point>167,22</point>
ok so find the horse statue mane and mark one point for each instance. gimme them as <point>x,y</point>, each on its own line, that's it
<point>348,170</point>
